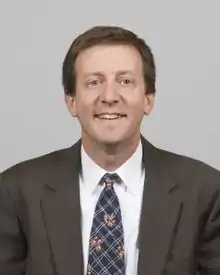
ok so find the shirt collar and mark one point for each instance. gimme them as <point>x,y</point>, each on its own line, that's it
<point>130,172</point>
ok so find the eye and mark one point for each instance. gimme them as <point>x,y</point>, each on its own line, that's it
<point>94,82</point>
<point>126,81</point>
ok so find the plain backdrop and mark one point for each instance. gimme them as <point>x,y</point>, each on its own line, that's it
<point>35,36</point>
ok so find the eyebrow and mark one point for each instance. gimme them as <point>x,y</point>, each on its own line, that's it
<point>125,72</point>
<point>118,73</point>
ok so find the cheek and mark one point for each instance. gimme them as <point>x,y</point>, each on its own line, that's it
<point>84,111</point>
<point>82,104</point>
<point>137,106</point>
<point>86,99</point>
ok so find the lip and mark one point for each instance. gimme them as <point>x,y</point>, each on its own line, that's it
<point>118,114</point>
<point>118,119</point>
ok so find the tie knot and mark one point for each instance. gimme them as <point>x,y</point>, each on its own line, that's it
<point>110,179</point>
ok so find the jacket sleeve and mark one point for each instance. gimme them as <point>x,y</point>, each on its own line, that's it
<point>209,256</point>
<point>12,240</point>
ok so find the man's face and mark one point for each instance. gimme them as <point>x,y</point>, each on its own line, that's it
<point>110,99</point>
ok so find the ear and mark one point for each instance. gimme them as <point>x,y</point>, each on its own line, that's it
<point>149,103</point>
<point>71,105</point>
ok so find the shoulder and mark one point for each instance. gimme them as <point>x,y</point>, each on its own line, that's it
<point>34,165</point>
<point>193,175</point>
<point>190,173</point>
<point>189,166</point>
<point>40,168</point>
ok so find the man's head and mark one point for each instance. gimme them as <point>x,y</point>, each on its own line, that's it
<point>109,83</point>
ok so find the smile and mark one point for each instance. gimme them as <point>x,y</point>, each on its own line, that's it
<point>109,116</point>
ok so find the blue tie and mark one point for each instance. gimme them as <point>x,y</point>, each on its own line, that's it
<point>106,247</point>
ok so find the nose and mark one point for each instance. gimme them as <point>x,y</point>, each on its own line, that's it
<point>110,94</point>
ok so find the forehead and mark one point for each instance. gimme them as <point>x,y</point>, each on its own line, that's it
<point>109,59</point>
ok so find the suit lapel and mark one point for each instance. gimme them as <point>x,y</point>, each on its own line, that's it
<point>161,212</point>
<point>61,212</point>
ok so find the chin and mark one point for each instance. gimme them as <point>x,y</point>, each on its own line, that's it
<point>110,141</point>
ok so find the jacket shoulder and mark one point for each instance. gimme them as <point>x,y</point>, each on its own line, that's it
<point>35,163</point>
<point>190,171</point>
<point>39,168</point>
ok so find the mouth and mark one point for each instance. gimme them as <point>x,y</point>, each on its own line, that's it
<point>110,116</point>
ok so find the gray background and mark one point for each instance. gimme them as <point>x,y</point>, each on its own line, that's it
<point>184,37</point>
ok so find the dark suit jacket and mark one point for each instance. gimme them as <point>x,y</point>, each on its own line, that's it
<point>40,229</point>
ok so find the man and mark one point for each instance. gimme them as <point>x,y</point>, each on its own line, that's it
<point>112,203</point>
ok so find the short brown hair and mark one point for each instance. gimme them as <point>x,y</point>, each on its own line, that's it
<point>107,35</point>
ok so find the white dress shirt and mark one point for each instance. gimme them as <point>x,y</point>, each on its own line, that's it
<point>130,199</point>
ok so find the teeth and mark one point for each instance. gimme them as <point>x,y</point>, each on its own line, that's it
<point>109,116</point>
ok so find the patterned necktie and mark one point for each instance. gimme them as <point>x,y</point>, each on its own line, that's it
<point>106,247</point>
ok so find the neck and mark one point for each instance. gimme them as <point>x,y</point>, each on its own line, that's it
<point>111,156</point>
